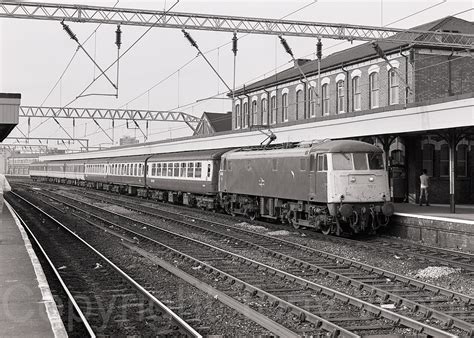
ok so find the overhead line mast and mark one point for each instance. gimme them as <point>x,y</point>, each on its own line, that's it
<point>223,23</point>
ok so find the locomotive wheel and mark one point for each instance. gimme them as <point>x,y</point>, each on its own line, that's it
<point>295,224</point>
<point>326,228</point>
<point>252,215</point>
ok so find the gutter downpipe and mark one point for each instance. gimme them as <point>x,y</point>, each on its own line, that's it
<point>347,86</point>
<point>267,119</point>
<point>407,91</point>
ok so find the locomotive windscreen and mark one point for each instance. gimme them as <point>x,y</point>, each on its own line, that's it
<point>357,161</point>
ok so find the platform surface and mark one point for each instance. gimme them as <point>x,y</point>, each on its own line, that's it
<point>463,212</point>
<point>27,307</point>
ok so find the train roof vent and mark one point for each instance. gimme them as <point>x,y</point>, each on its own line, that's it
<point>286,145</point>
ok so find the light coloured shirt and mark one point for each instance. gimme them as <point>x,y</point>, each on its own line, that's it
<point>4,185</point>
<point>425,181</point>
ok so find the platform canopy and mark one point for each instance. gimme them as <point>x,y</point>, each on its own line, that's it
<point>9,113</point>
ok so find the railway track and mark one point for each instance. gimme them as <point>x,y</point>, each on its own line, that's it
<point>109,301</point>
<point>439,256</point>
<point>374,285</point>
<point>422,253</point>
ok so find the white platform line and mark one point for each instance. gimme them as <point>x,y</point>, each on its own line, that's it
<point>436,218</point>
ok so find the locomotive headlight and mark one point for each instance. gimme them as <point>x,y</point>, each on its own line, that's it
<point>371,179</point>
<point>353,179</point>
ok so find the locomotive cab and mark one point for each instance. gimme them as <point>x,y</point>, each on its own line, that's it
<point>358,195</point>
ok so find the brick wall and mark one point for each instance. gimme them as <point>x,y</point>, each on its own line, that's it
<point>348,102</point>
<point>439,76</point>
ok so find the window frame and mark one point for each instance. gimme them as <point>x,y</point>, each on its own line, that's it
<point>325,99</point>
<point>356,94</point>
<point>340,97</point>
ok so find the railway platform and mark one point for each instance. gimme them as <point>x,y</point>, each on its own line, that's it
<point>28,308</point>
<point>434,225</point>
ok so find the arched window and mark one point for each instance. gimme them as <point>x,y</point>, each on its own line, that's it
<point>299,104</point>
<point>356,97</point>
<point>340,96</point>
<point>374,90</point>
<point>246,115</point>
<point>254,113</point>
<point>325,98</point>
<point>461,165</point>
<point>428,155</point>
<point>394,87</point>
<point>273,116</point>
<point>444,160</point>
<point>312,101</point>
<point>264,111</point>
<point>238,116</point>
<point>284,105</point>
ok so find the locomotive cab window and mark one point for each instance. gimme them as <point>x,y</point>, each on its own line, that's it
<point>360,161</point>
<point>322,164</point>
<point>376,161</point>
<point>342,161</point>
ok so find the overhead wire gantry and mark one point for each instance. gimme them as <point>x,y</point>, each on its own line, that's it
<point>223,23</point>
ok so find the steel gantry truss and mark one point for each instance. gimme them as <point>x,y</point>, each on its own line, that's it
<point>140,17</point>
<point>109,114</point>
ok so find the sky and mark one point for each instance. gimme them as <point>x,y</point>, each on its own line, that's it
<point>162,71</point>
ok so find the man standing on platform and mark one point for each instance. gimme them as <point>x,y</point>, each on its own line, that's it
<point>4,187</point>
<point>424,185</point>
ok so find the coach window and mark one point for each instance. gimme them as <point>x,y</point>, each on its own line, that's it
<point>158,169</point>
<point>322,162</point>
<point>176,170</point>
<point>190,169</point>
<point>153,169</point>
<point>182,172</point>
<point>208,170</point>
<point>170,169</point>
<point>140,169</point>
<point>165,169</point>
<point>198,171</point>
<point>135,172</point>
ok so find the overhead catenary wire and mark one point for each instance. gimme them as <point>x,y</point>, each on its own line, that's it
<point>125,52</point>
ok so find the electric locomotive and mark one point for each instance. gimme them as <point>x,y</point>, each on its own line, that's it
<point>333,186</point>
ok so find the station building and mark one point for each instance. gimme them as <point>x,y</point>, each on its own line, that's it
<point>388,79</point>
